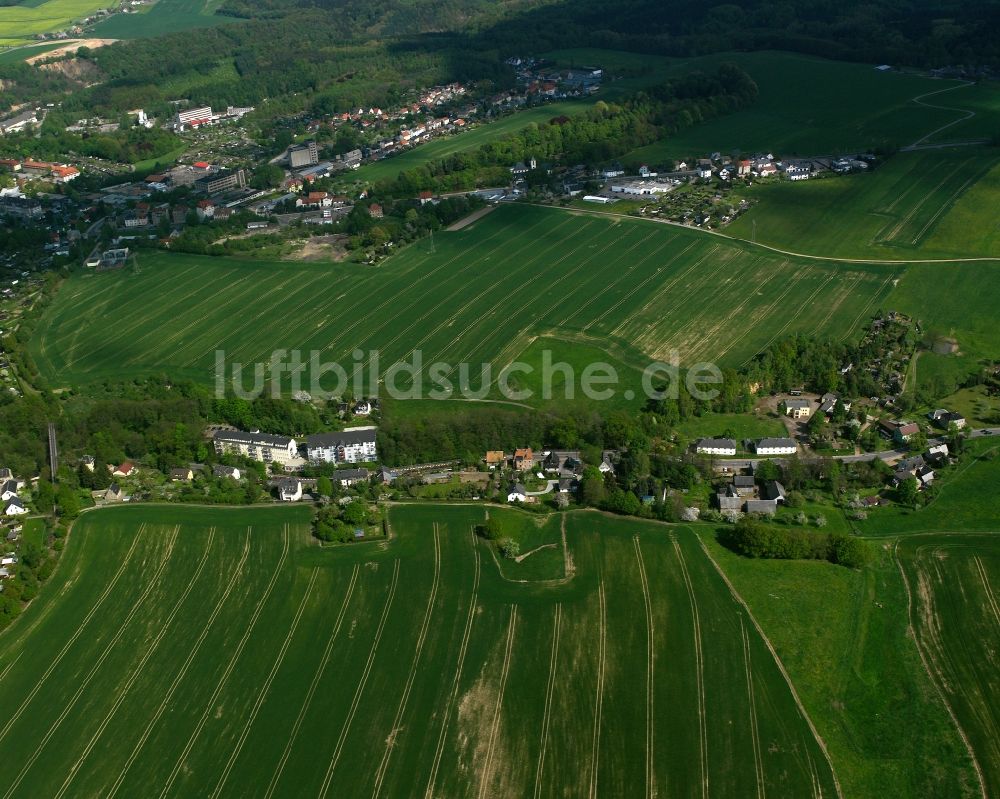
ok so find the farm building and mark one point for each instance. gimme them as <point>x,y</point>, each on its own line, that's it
<point>716,446</point>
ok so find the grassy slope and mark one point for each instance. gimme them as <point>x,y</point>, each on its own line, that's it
<point>843,637</point>
<point>224,703</point>
<point>956,617</point>
<point>918,205</point>
<point>481,296</point>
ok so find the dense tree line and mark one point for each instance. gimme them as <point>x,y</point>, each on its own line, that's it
<point>755,538</point>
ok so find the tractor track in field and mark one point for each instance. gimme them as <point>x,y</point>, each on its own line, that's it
<point>97,664</point>
<point>313,685</point>
<point>602,654</point>
<point>453,694</point>
<point>549,692</point>
<point>484,783</point>
<point>699,666</point>
<point>412,676</point>
<point>221,685</point>
<point>365,674</point>
<point>266,687</point>
<point>138,671</point>
<point>182,673</point>
<point>650,671</point>
<point>10,720</point>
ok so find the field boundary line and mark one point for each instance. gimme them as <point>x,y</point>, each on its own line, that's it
<point>931,671</point>
<point>595,744</point>
<point>137,672</point>
<point>484,782</point>
<point>317,676</point>
<point>182,672</point>
<point>781,666</point>
<point>756,244</point>
<point>986,585</point>
<point>412,676</point>
<point>266,687</point>
<point>453,694</point>
<point>699,665</point>
<point>549,692</point>
<point>220,686</point>
<point>758,762</point>
<point>96,667</point>
<point>345,729</point>
<point>650,670</point>
<point>78,632</point>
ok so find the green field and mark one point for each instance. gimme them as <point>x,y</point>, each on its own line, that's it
<point>843,636</point>
<point>482,295</point>
<point>164,16</point>
<point>810,106</point>
<point>20,23</point>
<point>955,615</point>
<point>217,653</point>
<point>926,204</point>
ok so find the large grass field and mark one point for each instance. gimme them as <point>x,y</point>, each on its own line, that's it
<point>164,16</point>
<point>844,637</point>
<point>18,24</point>
<point>638,289</point>
<point>952,582</point>
<point>186,652</point>
<point>918,205</point>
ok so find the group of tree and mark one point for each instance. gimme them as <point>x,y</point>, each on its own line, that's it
<point>754,537</point>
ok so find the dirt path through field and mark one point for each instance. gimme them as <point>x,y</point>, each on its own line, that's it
<point>465,221</point>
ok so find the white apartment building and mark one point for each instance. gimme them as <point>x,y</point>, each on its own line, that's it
<point>263,447</point>
<point>353,445</point>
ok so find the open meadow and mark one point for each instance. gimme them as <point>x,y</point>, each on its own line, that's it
<point>190,652</point>
<point>483,294</point>
<point>952,581</point>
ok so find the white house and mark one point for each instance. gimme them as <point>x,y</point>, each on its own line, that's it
<point>290,490</point>
<point>353,445</point>
<point>517,493</point>
<point>226,471</point>
<point>349,477</point>
<point>8,490</point>
<point>15,508</point>
<point>716,446</point>
<point>775,446</point>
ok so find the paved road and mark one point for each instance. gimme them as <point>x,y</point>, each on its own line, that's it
<point>888,455</point>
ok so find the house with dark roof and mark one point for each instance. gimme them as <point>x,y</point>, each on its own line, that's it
<point>349,477</point>
<point>775,446</point>
<point>716,446</point>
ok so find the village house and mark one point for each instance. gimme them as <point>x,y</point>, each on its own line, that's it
<point>114,493</point>
<point>289,489</point>
<point>124,470</point>
<point>349,477</point>
<point>564,462</point>
<point>716,446</point>
<point>517,493</point>
<point>797,408</point>
<point>775,446</point>
<point>495,458</point>
<point>181,475</point>
<point>14,507</point>
<point>608,459</point>
<point>944,419</point>
<point>226,472</point>
<point>524,459</point>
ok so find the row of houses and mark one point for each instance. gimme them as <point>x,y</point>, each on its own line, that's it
<point>565,463</point>
<point>765,446</point>
<point>10,488</point>
<point>44,170</point>
<point>352,445</point>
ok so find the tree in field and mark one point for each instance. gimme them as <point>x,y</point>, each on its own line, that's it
<point>324,487</point>
<point>509,548</point>
<point>491,529</point>
<point>908,492</point>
